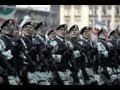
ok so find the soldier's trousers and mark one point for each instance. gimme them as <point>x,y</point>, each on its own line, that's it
<point>104,65</point>
<point>82,66</point>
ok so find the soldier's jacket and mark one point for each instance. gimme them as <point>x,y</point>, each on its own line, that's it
<point>61,45</point>
<point>27,45</point>
<point>112,47</point>
<point>113,42</point>
<point>88,47</point>
<point>73,44</point>
<point>85,44</point>
<point>59,48</point>
<point>41,39</point>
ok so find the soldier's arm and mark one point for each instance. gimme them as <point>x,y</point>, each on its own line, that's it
<point>3,59</point>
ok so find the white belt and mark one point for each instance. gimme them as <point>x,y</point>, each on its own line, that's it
<point>57,57</point>
<point>7,54</point>
<point>76,54</point>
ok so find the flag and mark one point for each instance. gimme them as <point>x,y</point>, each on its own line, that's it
<point>7,12</point>
<point>93,35</point>
<point>100,24</point>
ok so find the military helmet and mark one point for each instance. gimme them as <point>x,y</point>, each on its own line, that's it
<point>7,22</point>
<point>27,23</point>
<point>74,27</point>
<point>40,25</point>
<point>102,30</point>
<point>62,27</point>
<point>85,29</point>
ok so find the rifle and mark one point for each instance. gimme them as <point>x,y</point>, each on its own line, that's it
<point>25,52</point>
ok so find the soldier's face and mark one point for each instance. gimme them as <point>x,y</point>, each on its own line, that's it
<point>86,35</point>
<point>74,33</point>
<point>103,35</point>
<point>52,35</point>
<point>28,30</point>
<point>9,29</point>
<point>112,36</point>
<point>42,30</point>
<point>16,32</point>
<point>62,33</point>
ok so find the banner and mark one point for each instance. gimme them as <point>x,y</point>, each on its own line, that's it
<point>7,12</point>
<point>101,24</point>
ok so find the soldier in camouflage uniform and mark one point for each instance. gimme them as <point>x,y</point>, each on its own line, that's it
<point>88,51</point>
<point>7,46</point>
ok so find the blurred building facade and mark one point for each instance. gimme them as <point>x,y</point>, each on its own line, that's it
<point>87,15</point>
<point>36,16</point>
<point>82,15</point>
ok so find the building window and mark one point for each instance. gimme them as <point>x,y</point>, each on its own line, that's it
<point>90,11</point>
<point>77,10</point>
<point>93,10</point>
<point>108,24</point>
<point>91,23</point>
<point>67,9</point>
<point>103,10</point>
<point>117,10</point>
<point>67,20</point>
<point>116,23</point>
<point>77,20</point>
<point>108,9</point>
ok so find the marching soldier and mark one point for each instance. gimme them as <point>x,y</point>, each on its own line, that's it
<point>27,52</point>
<point>59,48</point>
<point>41,29</point>
<point>88,51</point>
<point>59,78</point>
<point>6,46</point>
<point>50,36</point>
<point>103,51</point>
<point>113,54</point>
<point>60,39</point>
<point>7,39</point>
<point>66,61</point>
<point>75,45</point>
<point>50,39</point>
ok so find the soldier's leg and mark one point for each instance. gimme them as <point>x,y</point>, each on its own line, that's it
<point>83,66</point>
<point>73,68</point>
<point>4,76</point>
<point>96,66</point>
<point>54,68</point>
<point>57,78</point>
<point>23,75</point>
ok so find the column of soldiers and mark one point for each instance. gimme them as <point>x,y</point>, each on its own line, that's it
<point>34,55</point>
